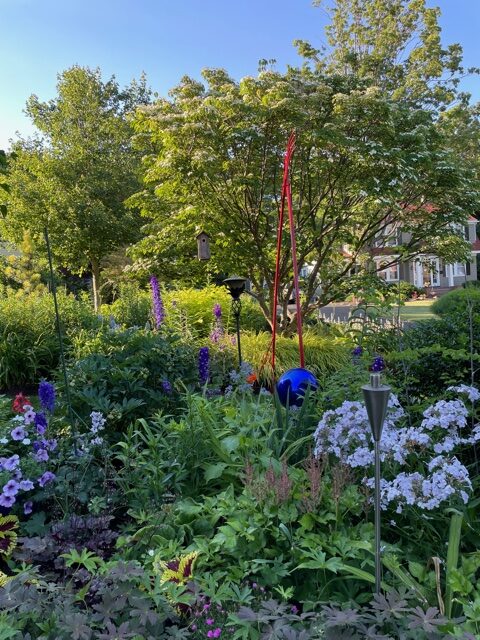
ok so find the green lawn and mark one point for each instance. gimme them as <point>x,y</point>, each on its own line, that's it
<point>417,310</point>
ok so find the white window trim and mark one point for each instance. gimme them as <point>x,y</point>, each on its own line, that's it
<point>459,270</point>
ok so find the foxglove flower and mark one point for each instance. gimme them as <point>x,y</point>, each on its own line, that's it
<point>46,395</point>
<point>158,310</point>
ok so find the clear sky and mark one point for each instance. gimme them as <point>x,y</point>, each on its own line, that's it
<point>168,39</point>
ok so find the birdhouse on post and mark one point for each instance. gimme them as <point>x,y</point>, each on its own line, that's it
<point>203,245</point>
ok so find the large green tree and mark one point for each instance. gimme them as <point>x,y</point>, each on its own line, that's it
<point>395,45</point>
<point>75,175</point>
<point>364,161</point>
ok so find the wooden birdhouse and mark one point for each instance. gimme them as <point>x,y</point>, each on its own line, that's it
<point>203,245</point>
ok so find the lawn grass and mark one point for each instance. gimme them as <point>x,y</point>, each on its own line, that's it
<point>417,310</point>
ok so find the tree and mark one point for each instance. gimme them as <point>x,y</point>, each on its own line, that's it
<point>76,174</point>
<point>363,161</point>
<point>395,45</point>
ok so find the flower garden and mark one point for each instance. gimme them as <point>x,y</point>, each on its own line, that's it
<point>165,492</point>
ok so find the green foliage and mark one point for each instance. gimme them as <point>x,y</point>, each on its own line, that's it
<point>459,302</point>
<point>349,135</point>
<point>121,373</point>
<point>323,354</point>
<point>29,347</point>
<point>132,307</point>
<point>76,176</point>
<point>121,601</point>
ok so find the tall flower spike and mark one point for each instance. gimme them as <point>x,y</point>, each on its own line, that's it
<point>157,302</point>
<point>203,365</point>
<point>46,395</point>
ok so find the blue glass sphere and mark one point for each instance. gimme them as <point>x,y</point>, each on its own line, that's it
<point>292,385</point>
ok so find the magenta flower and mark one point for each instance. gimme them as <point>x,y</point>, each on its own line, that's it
<point>209,621</point>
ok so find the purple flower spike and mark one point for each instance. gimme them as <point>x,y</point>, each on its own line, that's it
<point>158,310</point>
<point>46,395</point>
<point>217,311</point>
<point>203,365</point>
<point>41,423</point>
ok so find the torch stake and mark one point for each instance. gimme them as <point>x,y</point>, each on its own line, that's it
<point>376,402</point>
<point>377,519</point>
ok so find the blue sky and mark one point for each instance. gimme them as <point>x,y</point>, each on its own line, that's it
<point>167,39</point>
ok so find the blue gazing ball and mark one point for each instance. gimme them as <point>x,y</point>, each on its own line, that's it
<point>292,385</point>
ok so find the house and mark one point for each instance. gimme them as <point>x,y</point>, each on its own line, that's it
<point>426,270</point>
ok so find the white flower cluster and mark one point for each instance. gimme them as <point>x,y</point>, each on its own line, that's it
<point>346,434</point>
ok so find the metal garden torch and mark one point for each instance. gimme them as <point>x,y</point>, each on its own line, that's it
<point>236,286</point>
<point>376,397</point>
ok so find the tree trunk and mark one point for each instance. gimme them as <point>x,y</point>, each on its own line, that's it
<point>97,299</point>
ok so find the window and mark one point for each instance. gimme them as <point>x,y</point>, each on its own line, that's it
<point>389,237</point>
<point>459,269</point>
<point>389,274</point>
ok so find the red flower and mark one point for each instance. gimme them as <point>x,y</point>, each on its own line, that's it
<point>251,378</point>
<point>19,403</point>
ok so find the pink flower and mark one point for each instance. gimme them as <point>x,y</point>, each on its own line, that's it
<point>217,632</point>
<point>209,621</point>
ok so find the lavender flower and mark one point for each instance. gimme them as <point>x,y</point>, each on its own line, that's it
<point>18,433</point>
<point>29,416</point>
<point>28,507</point>
<point>41,455</point>
<point>26,485</point>
<point>217,311</point>
<point>158,310</point>
<point>11,488</point>
<point>46,395</point>
<point>45,478</point>
<point>10,464</point>
<point>203,365</point>
<point>6,501</point>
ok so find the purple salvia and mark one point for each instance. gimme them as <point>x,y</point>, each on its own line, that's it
<point>217,310</point>
<point>157,302</point>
